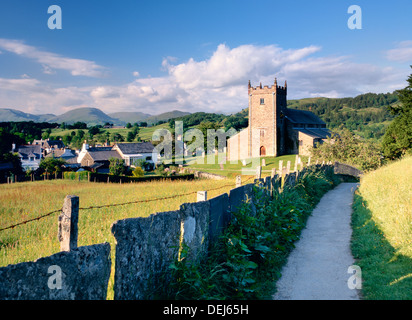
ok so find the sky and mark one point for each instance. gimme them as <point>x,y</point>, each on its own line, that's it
<point>196,55</point>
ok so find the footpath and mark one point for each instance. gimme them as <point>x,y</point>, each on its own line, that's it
<point>317,268</point>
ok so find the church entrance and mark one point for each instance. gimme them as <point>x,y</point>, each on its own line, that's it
<point>262,151</point>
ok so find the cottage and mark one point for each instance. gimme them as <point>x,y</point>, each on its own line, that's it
<point>131,152</point>
<point>30,156</point>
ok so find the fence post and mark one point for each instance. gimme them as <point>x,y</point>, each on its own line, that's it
<point>273,173</point>
<point>68,219</point>
<point>201,196</point>
<point>308,161</point>
<point>288,168</point>
<point>238,181</point>
<point>258,172</point>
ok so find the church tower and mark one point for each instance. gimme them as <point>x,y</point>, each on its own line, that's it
<point>267,107</point>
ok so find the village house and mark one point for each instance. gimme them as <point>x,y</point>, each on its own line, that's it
<point>49,145</point>
<point>30,156</point>
<point>273,129</point>
<point>98,158</point>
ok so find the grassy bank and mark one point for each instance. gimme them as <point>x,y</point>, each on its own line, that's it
<point>247,260</point>
<point>382,231</point>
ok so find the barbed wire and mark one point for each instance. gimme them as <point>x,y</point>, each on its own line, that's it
<point>118,204</point>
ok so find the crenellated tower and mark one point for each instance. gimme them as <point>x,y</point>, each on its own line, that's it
<point>267,106</point>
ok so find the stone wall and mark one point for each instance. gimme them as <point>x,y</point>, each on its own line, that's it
<point>145,248</point>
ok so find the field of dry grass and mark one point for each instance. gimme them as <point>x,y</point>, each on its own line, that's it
<point>23,201</point>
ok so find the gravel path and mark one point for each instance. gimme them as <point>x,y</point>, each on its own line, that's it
<point>317,269</point>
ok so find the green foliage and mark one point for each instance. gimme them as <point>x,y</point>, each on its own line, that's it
<point>398,137</point>
<point>51,165</point>
<point>117,166</point>
<point>138,172</point>
<point>349,148</point>
<point>246,260</point>
<point>76,176</point>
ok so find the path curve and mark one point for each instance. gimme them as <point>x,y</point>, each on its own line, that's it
<point>317,268</point>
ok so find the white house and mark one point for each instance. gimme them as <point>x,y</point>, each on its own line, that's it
<point>132,152</point>
<point>30,156</point>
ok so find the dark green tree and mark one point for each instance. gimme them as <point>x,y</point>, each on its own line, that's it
<point>397,140</point>
<point>116,166</point>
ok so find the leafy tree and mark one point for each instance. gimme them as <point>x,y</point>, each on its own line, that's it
<point>51,165</point>
<point>117,166</point>
<point>398,137</point>
<point>346,147</point>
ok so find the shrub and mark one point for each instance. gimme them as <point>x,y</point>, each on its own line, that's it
<point>138,172</point>
<point>246,260</point>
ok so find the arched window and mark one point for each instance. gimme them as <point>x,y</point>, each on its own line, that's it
<point>262,151</point>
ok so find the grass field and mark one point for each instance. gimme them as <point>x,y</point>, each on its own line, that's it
<point>231,170</point>
<point>23,201</point>
<point>382,231</point>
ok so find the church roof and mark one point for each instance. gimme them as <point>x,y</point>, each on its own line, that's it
<point>302,116</point>
<point>320,133</point>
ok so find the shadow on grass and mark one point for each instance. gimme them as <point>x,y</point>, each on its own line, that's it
<point>386,274</point>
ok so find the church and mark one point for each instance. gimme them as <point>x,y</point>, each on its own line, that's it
<point>273,129</point>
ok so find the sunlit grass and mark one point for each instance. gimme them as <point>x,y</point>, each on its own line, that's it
<point>23,201</point>
<point>382,238</point>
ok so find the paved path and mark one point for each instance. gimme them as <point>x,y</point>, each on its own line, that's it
<point>317,269</point>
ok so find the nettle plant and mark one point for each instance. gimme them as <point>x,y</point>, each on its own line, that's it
<point>246,260</point>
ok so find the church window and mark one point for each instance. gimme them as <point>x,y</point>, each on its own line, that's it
<point>262,101</point>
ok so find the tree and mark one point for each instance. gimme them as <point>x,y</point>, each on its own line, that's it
<point>348,148</point>
<point>116,166</point>
<point>51,165</point>
<point>397,139</point>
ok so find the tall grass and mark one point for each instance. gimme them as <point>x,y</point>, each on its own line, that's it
<point>23,201</point>
<point>382,231</point>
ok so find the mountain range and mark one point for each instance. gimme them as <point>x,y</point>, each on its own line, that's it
<point>91,116</point>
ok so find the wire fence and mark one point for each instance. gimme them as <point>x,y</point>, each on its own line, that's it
<point>118,204</point>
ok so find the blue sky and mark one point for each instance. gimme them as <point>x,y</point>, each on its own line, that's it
<point>158,56</point>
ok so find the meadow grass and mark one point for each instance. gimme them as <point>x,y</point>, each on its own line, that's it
<point>23,201</point>
<point>382,231</point>
<point>211,164</point>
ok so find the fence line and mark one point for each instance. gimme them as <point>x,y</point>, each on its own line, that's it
<point>116,205</point>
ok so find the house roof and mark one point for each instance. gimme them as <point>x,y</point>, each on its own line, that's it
<point>62,153</point>
<point>103,155</point>
<point>29,150</point>
<point>302,116</point>
<point>135,148</point>
<point>319,133</point>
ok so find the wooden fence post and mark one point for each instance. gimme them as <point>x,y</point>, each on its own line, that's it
<point>258,172</point>
<point>67,226</point>
<point>238,181</point>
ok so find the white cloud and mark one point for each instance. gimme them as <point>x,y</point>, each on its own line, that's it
<point>403,52</point>
<point>50,61</point>
<point>136,74</point>
<point>216,84</point>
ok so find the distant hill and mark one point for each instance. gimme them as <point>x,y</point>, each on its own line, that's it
<point>91,116</point>
<point>16,115</point>
<point>125,117</point>
<point>166,116</point>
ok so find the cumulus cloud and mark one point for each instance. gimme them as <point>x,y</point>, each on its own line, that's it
<point>50,61</point>
<point>216,84</point>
